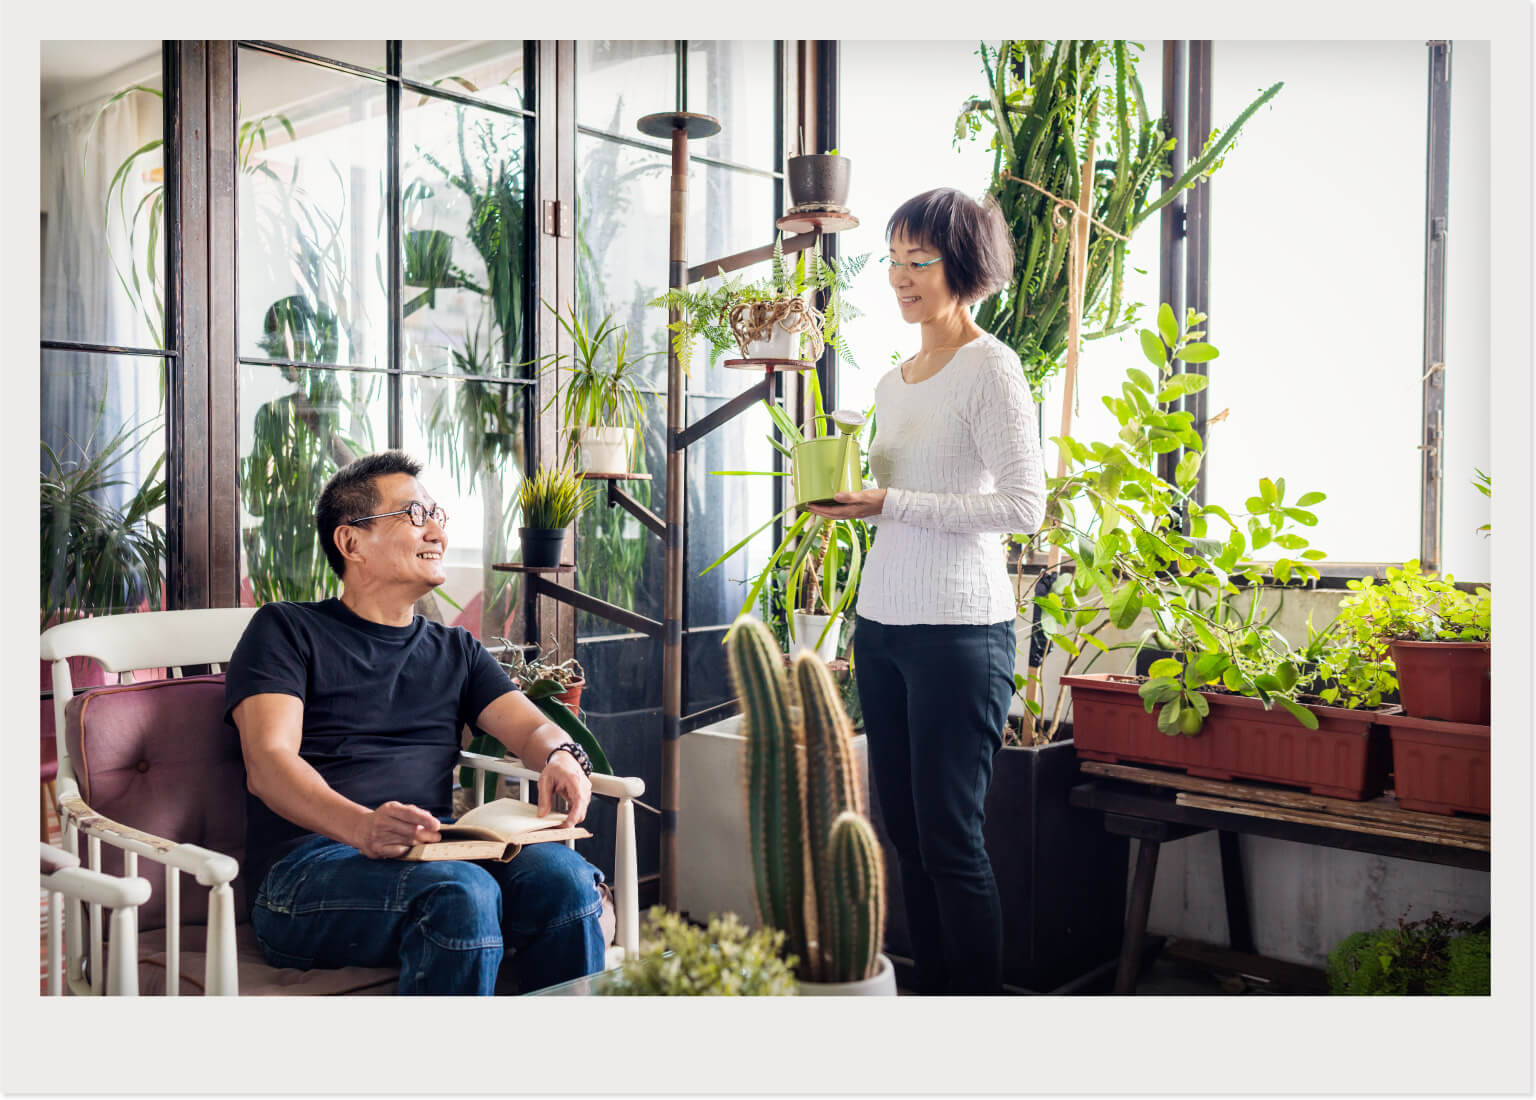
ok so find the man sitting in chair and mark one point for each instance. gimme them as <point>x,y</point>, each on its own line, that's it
<point>349,712</point>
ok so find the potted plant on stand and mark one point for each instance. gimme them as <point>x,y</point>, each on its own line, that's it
<point>817,870</point>
<point>602,412</point>
<point>550,501</point>
<point>772,318</point>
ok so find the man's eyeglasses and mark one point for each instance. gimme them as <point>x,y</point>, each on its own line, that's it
<point>915,265</point>
<point>417,511</point>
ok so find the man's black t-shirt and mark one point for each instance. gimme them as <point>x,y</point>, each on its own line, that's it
<point>383,707</point>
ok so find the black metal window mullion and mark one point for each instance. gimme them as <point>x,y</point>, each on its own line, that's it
<point>828,69</point>
<point>1197,228</point>
<point>395,350</point>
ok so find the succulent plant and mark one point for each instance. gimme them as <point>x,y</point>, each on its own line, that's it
<point>816,870</point>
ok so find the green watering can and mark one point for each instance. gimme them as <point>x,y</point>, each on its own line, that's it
<point>824,467</point>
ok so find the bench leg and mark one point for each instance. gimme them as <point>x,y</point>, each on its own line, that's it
<point>1234,885</point>
<point>1136,918</point>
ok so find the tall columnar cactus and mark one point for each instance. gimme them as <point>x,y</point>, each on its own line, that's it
<point>804,806</point>
<point>854,901</point>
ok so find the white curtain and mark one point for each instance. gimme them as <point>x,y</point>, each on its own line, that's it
<point>82,298</point>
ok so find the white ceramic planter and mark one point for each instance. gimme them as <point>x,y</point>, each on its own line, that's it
<point>781,345</point>
<point>606,450</point>
<point>883,984</point>
<point>808,628</point>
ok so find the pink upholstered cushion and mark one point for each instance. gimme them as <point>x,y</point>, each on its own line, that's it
<point>157,756</point>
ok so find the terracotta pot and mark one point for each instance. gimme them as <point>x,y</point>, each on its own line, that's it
<point>1442,767</point>
<point>1343,758</point>
<point>571,697</point>
<point>1447,681</point>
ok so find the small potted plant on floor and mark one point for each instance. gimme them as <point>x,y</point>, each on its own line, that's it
<point>817,870</point>
<point>602,413</point>
<point>550,501</point>
<point>722,959</point>
<point>1432,957</point>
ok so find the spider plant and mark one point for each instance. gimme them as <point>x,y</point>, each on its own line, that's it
<point>602,391</point>
<point>97,559</point>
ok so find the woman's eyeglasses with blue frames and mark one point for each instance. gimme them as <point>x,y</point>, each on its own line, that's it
<point>915,265</point>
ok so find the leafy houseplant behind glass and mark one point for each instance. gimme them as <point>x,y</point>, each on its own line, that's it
<point>97,559</point>
<point>297,443</point>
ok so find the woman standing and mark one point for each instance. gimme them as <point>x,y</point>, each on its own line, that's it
<point>957,461</point>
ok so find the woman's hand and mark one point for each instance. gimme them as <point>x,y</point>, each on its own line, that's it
<point>865,502</point>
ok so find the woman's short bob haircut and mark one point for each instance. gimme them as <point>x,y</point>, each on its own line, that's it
<point>972,237</point>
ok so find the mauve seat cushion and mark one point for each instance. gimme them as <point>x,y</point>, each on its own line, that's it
<point>157,756</point>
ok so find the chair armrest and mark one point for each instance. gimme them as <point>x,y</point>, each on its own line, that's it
<point>609,786</point>
<point>210,868</point>
<point>97,888</point>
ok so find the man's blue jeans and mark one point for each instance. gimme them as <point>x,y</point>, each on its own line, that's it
<point>445,924</point>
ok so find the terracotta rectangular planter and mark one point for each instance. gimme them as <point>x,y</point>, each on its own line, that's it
<point>1442,767</point>
<point>1342,758</point>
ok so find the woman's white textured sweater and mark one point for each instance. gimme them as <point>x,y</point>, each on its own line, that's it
<point>959,457</point>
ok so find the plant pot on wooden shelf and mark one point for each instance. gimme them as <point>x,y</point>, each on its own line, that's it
<point>773,328</point>
<point>819,179</point>
<point>1448,681</point>
<point>1343,758</point>
<point>541,546</point>
<point>1442,767</point>
<point>606,449</point>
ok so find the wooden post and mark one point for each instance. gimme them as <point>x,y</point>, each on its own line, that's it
<point>672,610</point>
<point>1078,279</point>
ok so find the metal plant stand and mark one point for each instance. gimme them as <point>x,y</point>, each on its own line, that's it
<point>679,127</point>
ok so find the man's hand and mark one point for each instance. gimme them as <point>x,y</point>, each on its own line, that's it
<point>855,505</point>
<point>563,776</point>
<point>394,829</point>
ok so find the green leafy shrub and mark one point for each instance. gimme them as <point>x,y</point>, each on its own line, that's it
<point>1434,957</point>
<point>1410,605</point>
<point>679,959</point>
<point>553,497</point>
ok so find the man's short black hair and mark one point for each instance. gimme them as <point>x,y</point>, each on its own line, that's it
<point>972,237</point>
<point>352,493</point>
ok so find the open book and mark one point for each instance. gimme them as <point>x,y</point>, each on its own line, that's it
<point>498,830</point>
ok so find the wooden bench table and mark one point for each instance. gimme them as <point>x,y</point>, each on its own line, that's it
<point>1155,806</point>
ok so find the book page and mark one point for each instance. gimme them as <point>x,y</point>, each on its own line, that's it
<point>506,819</point>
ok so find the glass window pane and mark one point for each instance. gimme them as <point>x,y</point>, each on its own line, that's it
<point>472,438</point>
<point>617,559</point>
<point>103,437</point>
<point>492,71</point>
<point>901,143</point>
<point>723,509</point>
<point>708,673</point>
<point>297,428</point>
<point>620,80</point>
<point>1291,361</point>
<point>311,188</point>
<point>621,242</point>
<point>733,81</point>
<point>103,188</point>
<point>367,54</point>
<point>464,186</point>
<point>621,704</point>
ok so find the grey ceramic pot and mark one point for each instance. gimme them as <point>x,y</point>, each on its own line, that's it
<point>820,178</point>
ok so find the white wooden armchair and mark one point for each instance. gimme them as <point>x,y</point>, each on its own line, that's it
<point>63,877</point>
<point>150,770</point>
